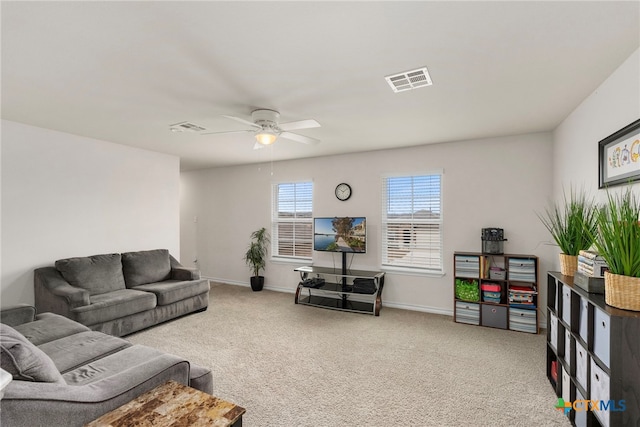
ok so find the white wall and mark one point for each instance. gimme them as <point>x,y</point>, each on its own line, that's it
<point>496,182</point>
<point>612,106</point>
<point>65,195</point>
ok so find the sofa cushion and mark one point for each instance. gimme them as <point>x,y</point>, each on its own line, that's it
<point>97,274</point>
<point>146,267</point>
<point>23,360</point>
<point>138,357</point>
<point>49,327</point>
<point>73,351</point>
<point>114,305</point>
<point>171,291</point>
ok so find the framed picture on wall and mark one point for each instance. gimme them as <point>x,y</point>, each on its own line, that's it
<point>619,156</point>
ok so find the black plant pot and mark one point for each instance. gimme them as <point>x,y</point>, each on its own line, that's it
<point>257,282</point>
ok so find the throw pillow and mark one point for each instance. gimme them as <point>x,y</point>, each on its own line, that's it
<point>144,267</point>
<point>23,360</point>
<point>98,274</point>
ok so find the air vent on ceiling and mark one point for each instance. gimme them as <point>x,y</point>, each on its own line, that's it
<point>186,127</point>
<point>409,80</point>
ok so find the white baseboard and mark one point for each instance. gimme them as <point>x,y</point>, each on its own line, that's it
<point>422,308</point>
<point>411,307</point>
<point>248,285</point>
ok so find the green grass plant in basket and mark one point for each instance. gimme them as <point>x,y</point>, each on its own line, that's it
<point>467,290</point>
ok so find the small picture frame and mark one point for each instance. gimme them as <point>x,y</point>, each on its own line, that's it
<point>619,156</point>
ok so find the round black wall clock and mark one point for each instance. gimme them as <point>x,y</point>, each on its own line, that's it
<point>343,191</point>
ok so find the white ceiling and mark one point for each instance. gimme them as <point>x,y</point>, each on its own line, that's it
<point>124,71</point>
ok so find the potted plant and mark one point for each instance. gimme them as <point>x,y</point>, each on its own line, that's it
<point>572,225</point>
<point>618,241</point>
<point>256,255</point>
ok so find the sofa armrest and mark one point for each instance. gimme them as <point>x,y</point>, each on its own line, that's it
<point>184,273</point>
<point>28,403</point>
<point>56,295</point>
<point>180,272</point>
<point>18,314</point>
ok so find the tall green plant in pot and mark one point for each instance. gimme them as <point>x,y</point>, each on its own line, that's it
<point>618,242</point>
<point>256,256</point>
<point>572,224</point>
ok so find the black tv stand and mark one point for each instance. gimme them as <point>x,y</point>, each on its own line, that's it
<point>339,294</point>
<point>344,269</point>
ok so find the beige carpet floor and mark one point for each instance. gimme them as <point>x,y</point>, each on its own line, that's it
<point>295,365</point>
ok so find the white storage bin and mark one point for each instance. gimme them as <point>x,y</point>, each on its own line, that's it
<point>584,318</point>
<point>566,386</point>
<point>599,391</point>
<point>553,331</point>
<point>567,347</point>
<point>581,416</point>
<point>582,362</point>
<point>601,335</point>
<point>566,304</point>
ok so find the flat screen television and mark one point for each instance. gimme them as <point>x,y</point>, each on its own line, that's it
<point>340,234</point>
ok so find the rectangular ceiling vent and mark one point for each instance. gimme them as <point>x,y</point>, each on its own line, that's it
<point>186,127</point>
<point>409,80</point>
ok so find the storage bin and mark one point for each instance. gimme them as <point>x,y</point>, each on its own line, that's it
<point>467,312</point>
<point>467,266</point>
<point>522,320</point>
<point>584,313</point>
<point>566,304</point>
<point>599,391</point>
<point>566,385</point>
<point>567,348</point>
<point>581,416</point>
<point>601,335</point>
<point>521,269</point>
<point>497,273</point>
<point>553,331</point>
<point>582,361</point>
<point>494,316</point>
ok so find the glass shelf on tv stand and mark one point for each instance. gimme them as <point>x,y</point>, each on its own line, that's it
<point>338,295</point>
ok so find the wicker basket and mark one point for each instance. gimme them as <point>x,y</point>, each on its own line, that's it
<point>568,264</point>
<point>622,291</point>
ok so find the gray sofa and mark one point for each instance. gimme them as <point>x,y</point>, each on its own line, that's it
<point>120,293</point>
<point>65,374</point>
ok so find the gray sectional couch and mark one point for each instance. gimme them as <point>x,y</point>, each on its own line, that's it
<point>120,293</point>
<point>65,374</point>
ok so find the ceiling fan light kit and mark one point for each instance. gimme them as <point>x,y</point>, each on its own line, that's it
<point>266,128</point>
<point>266,136</point>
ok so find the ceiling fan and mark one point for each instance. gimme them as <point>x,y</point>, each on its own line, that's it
<point>266,128</point>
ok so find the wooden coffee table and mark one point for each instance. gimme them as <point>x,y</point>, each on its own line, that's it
<point>173,404</point>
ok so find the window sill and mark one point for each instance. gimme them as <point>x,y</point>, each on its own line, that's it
<point>406,271</point>
<point>287,260</point>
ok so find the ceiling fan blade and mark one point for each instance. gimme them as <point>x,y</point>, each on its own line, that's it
<point>258,146</point>
<point>238,119</point>
<point>229,131</point>
<point>300,124</point>
<point>299,138</point>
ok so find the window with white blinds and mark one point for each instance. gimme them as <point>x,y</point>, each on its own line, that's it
<point>412,223</point>
<point>292,220</point>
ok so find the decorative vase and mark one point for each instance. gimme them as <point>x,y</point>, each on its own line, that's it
<point>568,264</point>
<point>257,282</point>
<point>622,291</point>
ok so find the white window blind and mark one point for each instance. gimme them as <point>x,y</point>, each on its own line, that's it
<point>292,220</point>
<point>412,222</point>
